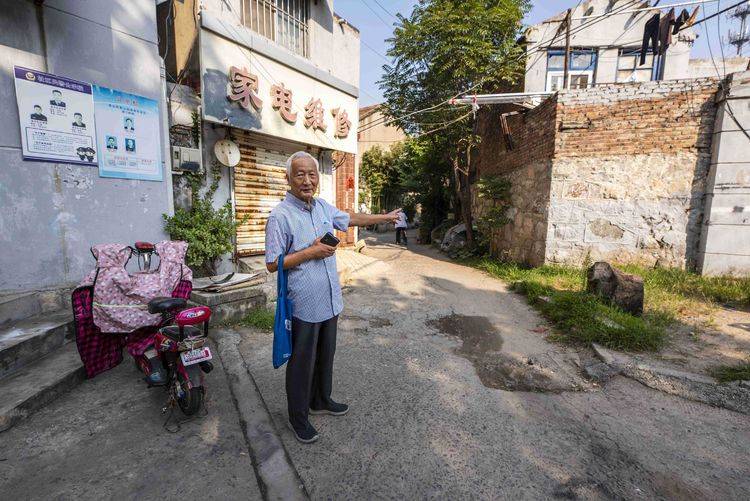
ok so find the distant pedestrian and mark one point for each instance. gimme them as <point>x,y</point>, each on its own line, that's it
<point>401,225</point>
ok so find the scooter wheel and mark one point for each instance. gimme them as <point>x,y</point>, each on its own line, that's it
<point>191,401</point>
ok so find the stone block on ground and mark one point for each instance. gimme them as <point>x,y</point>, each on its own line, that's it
<point>454,240</point>
<point>621,289</point>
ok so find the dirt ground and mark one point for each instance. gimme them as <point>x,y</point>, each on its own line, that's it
<point>456,394</point>
<point>700,344</point>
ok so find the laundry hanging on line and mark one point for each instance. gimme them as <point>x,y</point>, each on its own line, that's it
<point>658,31</point>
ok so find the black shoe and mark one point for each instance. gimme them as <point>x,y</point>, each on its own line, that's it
<point>333,409</point>
<point>307,435</point>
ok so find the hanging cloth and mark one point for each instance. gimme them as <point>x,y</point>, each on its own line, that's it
<point>684,20</point>
<point>650,37</point>
<point>665,31</point>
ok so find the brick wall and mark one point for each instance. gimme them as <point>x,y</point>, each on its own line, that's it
<point>345,176</point>
<point>528,166</point>
<point>624,172</point>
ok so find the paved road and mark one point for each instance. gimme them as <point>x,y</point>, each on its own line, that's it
<point>455,393</point>
<point>104,440</point>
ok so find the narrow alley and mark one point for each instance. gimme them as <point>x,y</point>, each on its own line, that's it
<point>430,415</point>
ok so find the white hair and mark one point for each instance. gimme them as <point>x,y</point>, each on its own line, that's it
<point>295,156</point>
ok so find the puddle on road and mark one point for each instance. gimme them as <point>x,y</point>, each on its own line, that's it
<point>482,345</point>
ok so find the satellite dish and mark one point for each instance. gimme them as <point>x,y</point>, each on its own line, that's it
<point>227,152</point>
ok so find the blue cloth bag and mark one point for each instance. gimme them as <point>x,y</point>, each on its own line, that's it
<point>282,326</point>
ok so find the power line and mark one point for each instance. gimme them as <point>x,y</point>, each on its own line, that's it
<point>390,26</point>
<point>525,54</point>
<point>721,79</point>
<point>655,7</point>
<point>373,50</point>
<point>386,10</point>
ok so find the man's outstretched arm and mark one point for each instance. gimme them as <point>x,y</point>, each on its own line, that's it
<point>360,219</point>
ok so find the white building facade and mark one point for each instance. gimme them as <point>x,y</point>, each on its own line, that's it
<point>605,48</point>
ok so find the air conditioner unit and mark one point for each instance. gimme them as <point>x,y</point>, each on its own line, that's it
<point>186,159</point>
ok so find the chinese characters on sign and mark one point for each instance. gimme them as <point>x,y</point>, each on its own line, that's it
<point>342,123</point>
<point>244,88</point>
<point>314,115</point>
<point>282,101</point>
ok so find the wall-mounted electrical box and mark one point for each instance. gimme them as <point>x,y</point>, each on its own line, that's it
<point>186,159</point>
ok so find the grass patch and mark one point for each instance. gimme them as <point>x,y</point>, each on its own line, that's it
<point>559,292</point>
<point>727,373</point>
<point>260,318</point>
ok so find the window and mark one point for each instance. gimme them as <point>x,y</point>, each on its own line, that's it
<point>581,68</point>
<point>628,69</point>
<point>283,21</point>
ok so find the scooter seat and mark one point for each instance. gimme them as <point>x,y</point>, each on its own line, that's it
<point>163,304</point>
<point>173,331</point>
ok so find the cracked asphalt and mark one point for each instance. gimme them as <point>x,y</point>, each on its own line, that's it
<point>455,393</point>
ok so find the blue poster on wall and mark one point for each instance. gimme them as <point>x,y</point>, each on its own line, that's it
<point>127,132</point>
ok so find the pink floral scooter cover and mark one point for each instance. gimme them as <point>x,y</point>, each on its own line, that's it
<point>120,298</point>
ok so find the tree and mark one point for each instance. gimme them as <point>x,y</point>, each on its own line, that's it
<point>443,48</point>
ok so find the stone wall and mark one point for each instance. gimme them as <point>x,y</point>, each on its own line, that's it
<point>616,172</point>
<point>528,167</point>
<point>629,173</point>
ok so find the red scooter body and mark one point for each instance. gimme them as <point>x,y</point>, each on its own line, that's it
<point>183,352</point>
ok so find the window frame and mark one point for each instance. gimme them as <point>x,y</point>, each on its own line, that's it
<point>573,69</point>
<point>280,22</point>
<point>636,52</point>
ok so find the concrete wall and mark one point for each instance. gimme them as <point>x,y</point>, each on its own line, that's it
<point>334,43</point>
<point>722,67</point>
<point>607,35</point>
<point>725,242</point>
<point>53,213</point>
<point>383,136</point>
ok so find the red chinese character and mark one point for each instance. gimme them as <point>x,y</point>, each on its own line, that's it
<point>244,87</point>
<point>314,116</point>
<point>342,123</point>
<point>282,101</point>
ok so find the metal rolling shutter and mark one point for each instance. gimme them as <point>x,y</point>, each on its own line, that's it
<point>259,185</point>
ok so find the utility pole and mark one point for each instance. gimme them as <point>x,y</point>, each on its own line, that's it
<point>741,37</point>
<point>566,75</point>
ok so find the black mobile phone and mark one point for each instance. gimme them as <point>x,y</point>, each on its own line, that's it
<point>330,240</point>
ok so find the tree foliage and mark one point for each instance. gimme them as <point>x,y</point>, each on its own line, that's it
<point>443,48</point>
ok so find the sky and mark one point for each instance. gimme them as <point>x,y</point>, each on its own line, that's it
<point>375,18</point>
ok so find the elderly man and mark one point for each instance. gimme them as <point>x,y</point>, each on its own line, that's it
<point>294,229</point>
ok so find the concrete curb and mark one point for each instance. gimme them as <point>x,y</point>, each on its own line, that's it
<point>734,396</point>
<point>275,472</point>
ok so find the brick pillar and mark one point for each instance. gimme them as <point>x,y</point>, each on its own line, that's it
<point>345,194</point>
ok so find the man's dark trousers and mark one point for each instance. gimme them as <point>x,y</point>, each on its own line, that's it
<point>309,372</point>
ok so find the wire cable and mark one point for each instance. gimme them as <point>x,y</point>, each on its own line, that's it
<point>386,10</point>
<point>721,79</point>
<point>376,14</point>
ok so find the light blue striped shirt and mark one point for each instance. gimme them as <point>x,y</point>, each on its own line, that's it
<point>313,285</point>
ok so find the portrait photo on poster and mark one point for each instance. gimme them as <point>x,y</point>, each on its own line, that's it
<point>128,131</point>
<point>56,118</point>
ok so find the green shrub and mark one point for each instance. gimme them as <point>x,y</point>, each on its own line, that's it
<point>207,230</point>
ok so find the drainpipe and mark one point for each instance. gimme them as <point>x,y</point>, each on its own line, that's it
<point>167,148</point>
